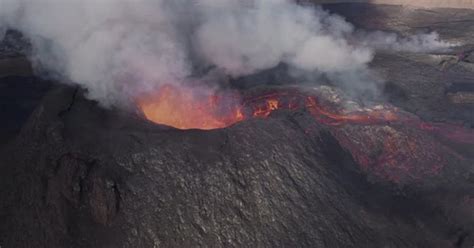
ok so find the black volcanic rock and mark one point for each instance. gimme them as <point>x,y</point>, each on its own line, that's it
<point>19,96</point>
<point>82,176</point>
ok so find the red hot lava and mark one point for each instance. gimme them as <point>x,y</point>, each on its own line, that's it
<point>385,141</point>
<point>186,108</point>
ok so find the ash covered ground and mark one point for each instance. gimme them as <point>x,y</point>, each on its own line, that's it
<point>76,175</point>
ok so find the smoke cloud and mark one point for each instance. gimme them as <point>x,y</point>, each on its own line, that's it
<point>391,41</point>
<point>119,49</point>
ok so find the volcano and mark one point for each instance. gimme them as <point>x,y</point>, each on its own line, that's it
<point>263,163</point>
<point>149,184</point>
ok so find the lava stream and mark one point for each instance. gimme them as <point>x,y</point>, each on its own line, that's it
<point>186,108</point>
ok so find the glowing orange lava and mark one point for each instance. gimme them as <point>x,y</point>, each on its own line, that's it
<point>184,108</point>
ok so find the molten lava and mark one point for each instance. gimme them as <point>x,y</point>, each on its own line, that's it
<point>185,108</point>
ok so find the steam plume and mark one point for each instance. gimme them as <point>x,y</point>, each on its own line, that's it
<point>119,49</point>
<point>414,43</point>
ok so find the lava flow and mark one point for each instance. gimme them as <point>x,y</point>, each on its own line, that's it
<point>186,108</point>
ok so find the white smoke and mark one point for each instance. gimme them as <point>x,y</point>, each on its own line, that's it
<point>414,43</point>
<point>244,39</point>
<point>119,49</point>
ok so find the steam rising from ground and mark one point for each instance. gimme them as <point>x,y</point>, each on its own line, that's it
<point>119,49</point>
